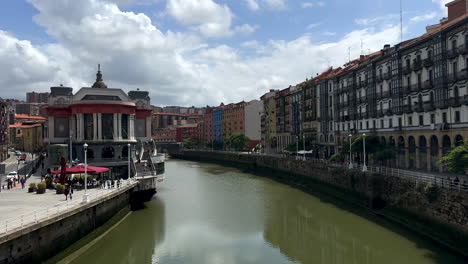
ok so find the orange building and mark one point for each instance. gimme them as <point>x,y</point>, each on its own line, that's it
<point>233,119</point>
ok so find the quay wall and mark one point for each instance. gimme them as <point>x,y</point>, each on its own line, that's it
<point>39,241</point>
<point>438,213</point>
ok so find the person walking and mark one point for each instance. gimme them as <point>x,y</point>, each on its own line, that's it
<point>71,191</point>
<point>65,192</point>
<point>22,182</point>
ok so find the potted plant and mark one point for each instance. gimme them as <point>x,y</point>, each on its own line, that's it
<point>32,187</point>
<point>41,188</point>
<point>59,188</point>
<point>48,182</point>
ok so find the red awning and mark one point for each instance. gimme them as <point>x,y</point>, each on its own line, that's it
<point>81,169</point>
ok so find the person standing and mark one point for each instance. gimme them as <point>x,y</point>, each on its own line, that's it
<point>71,191</point>
<point>65,192</point>
<point>22,182</point>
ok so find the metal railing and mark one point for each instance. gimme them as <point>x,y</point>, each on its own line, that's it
<point>25,220</point>
<point>440,180</point>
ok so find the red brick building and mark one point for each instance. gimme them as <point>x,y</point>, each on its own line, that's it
<point>186,131</point>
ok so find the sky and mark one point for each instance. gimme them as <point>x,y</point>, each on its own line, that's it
<point>194,52</point>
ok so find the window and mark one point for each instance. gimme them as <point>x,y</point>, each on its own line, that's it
<point>431,77</point>
<point>390,122</point>
<point>410,120</point>
<point>124,126</point>
<point>421,120</point>
<point>380,71</point>
<point>444,117</point>
<point>360,125</point>
<point>429,54</point>
<point>419,80</point>
<point>367,125</point>
<point>88,126</point>
<point>455,68</point>
<point>373,124</point>
<point>408,63</point>
<point>454,44</point>
<point>107,126</point>
<point>399,122</point>
<point>457,116</point>
<point>408,81</point>
<point>348,127</point>
<point>432,119</point>
<point>418,57</point>
<point>381,123</point>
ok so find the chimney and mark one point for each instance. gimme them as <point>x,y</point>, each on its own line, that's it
<point>456,8</point>
<point>386,46</point>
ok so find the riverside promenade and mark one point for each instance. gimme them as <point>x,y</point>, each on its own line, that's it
<point>18,208</point>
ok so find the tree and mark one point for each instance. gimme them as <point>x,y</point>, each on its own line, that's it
<point>237,141</point>
<point>308,145</point>
<point>456,160</point>
<point>191,142</point>
<point>376,150</point>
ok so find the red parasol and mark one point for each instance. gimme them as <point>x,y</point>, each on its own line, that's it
<point>81,169</point>
<point>63,165</point>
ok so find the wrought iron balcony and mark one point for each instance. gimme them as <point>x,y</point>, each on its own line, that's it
<point>406,69</point>
<point>407,109</point>
<point>428,84</point>
<point>463,75</point>
<point>388,112</point>
<point>452,77</point>
<point>386,76</point>
<point>456,101</point>
<point>463,49</point>
<point>418,108</point>
<point>417,65</point>
<point>429,106</point>
<point>428,62</point>
<point>452,54</point>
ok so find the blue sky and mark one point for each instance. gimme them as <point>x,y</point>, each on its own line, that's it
<point>209,50</point>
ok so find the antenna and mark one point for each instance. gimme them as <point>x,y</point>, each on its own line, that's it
<point>401,21</point>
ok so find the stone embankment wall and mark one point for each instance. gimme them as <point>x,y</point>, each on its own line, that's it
<point>432,211</point>
<point>46,238</point>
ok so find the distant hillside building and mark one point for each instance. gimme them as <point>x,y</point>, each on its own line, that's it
<point>34,97</point>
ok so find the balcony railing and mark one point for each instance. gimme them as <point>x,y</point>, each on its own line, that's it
<point>386,76</point>
<point>417,65</point>
<point>463,49</point>
<point>456,101</point>
<point>406,69</point>
<point>407,109</point>
<point>451,54</point>
<point>418,108</point>
<point>428,84</point>
<point>463,75</point>
<point>428,62</point>
<point>452,77</point>
<point>429,106</point>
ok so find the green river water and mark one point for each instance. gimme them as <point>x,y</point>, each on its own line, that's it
<point>207,214</point>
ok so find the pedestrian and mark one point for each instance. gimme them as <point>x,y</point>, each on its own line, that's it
<point>8,184</point>
<point>42,165</point>
<point>71,192</point>
<point>22,182</point>
<point>65,192</point>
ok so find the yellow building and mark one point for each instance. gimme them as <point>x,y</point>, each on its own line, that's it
<point>27,138</point>
<point>269,122</point>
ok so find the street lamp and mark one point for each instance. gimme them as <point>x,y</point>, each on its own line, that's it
<point>297,147</point>
<point>129,146</point>
<point>350,154</point>
<point>364,167</point>
<point>303,147</point>
<point>85,196</point>
<point>71,152</point>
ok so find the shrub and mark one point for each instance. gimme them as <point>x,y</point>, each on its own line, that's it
<point>431,192</point>
<point>48,182</point>
<point>41,186</point>
<point>60,187</point>
<point>32,185</point>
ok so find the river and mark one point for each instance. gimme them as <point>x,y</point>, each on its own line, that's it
<point>206,213</point>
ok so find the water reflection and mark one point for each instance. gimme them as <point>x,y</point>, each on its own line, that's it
<point>206,213</point>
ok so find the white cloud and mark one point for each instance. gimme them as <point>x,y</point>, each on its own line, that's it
<point>252,4</point>
<point>313,25</point>
<point>376,20</point>
<point>245,29</point>
<point>441,4</point>
<point>277,4</point>
<point>328,33</point>
<point>424,17</point>
<point>177,68</point>
<point>312,4</point>
<point>211,19</point>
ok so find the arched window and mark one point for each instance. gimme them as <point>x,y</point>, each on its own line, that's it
<point>458,140</point>
<point>446,144</point>
<point>125,152</point>
<point>108,153</point>
<point>411,144</point>
<point>382,140</point>
<point>422,144</point>
<point>434,146</point>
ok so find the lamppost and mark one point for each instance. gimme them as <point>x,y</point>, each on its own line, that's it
<point>303,147</point>
<point>71,152</point>
<point>129,146</point>
<point>364,167</point>
<point>350,154</point>
<point>85,196</point>
<point>297,147</point>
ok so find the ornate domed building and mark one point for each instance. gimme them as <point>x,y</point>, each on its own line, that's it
<point>106,119</point>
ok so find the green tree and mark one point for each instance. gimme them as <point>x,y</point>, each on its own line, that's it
<point>374,148</point>
<point>237,141</point>
<point>456,160</point>
<point>191,142</point>
<point>308,145</point>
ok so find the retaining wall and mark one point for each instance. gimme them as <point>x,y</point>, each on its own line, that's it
<point>434,212</point>
<point>46,238</point>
